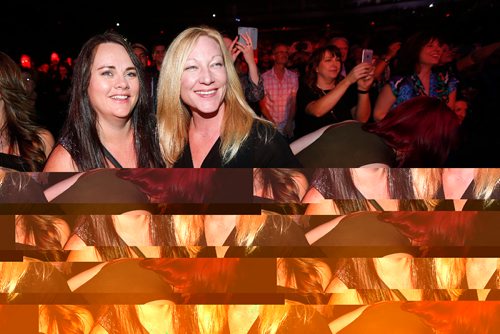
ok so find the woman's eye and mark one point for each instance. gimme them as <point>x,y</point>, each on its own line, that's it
<point>132,74</point>
<point>107,74</point>
<point>220,64</point>
<point>190,68</point>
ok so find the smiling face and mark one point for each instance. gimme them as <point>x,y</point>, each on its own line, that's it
<point>329,66</point>
<point>114,86</point>
<point>431,52</point>
<point>204,78</point>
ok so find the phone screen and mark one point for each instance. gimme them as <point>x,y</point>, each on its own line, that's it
<point>366,56</point>
<point>253,32</point>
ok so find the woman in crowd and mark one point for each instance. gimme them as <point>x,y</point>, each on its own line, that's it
<point>24,146</point>
<point>203,118</point>
<point>418,57</point>
<point>251,82</point>
<point>420,132</point>
<point>109,120</point>
<point>327,97</point>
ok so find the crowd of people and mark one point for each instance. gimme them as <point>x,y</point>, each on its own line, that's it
<point>198,191</point>
<point>180,108</point>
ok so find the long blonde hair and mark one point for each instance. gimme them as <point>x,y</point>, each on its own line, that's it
<point>428,180</point>
<point>188,229</point>
<point>174,116</point>
<point>211,318</point>
<point>11,273</point>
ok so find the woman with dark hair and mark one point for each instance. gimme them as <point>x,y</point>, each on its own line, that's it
<point>335,191</point>
<point>420,132</point>
<point>42,236</point>
<point>109,120</point>
<point>326,97</point>
<point>106,237</point>
<point>24,146</point>
<point>418,57</point>
<point>280,185</point>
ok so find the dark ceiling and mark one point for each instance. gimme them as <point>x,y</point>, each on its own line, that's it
<point>39,27</point>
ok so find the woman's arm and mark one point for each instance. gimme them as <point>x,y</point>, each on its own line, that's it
<point>80,279</point>
<point>362,111</point>
<point>301,143</point>
<point>60,161</point>
<point>60,187</point>
<point>318,232</point>
<point>324,104</point>
<point>384,103</point>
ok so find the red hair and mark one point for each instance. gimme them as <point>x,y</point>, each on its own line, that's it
<point>462,317</point>
<point>433,228</point>
<point>422,130</point>
<point>173,185</point>
<point>195,276</point>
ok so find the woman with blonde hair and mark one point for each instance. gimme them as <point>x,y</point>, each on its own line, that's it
<point>468,188</point>
<point>33,282</point>
<point>203,117</point>
<point>265,235</point>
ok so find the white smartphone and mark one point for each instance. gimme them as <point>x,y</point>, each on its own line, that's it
<point>253,32</point>
<point>367,56</point>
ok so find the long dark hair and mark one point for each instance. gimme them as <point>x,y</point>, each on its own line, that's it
<point>45,234</point>
<point>342,190</point>
<point>362,276</point>
<point>422,130</point>
<point>19,115</point>
<point>80,134</point>
<point>317,56</point>
<point>409,54</point>
<point>108,243</point>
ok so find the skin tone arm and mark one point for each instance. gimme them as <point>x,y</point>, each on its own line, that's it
<point>79,251</point>
<point>392,51</point>
<point>60,161</point>
<point>247,51</point>
<point>363,109</point>
<point>384,102</point>
<point>452,99</point>
<point>60,187</point>
<point>318,232</point>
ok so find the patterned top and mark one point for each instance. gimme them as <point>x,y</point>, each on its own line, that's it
<point>404,88</point>
<point>253,92</point>
<point>281,95</point>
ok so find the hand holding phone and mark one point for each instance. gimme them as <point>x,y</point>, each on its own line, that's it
<point>367,56</point>
<point>253,32</point>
